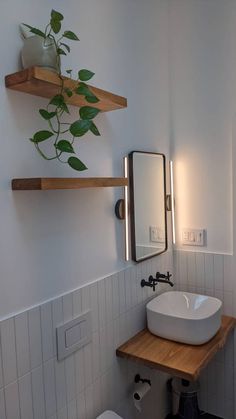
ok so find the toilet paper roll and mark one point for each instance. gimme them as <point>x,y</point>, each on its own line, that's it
<point>137,405</point>
<point>141,389</point>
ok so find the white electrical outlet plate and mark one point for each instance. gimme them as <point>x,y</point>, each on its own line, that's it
<point>74,334</point>
<point>193,237</point>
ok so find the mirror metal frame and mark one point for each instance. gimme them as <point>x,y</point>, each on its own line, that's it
<point>132,205</point>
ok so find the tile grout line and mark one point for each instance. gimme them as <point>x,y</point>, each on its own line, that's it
<point>30,363</point>
<point>41,329</point>
<point>17,367</point>
<point>1,360</point>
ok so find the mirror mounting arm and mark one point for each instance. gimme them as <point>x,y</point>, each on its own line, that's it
<point>168,203</point>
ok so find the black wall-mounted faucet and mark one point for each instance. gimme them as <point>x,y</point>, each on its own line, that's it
<point>152,282</point>
<point>164,278</point>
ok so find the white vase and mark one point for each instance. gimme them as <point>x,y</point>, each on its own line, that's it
<point>41,52</point>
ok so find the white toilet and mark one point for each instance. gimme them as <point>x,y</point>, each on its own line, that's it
<point>109,415</point>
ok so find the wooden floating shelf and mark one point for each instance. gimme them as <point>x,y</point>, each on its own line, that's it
<point>44,184</point>
<point>45,83</point>
<point>177,359</point>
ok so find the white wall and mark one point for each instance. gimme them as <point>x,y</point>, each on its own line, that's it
<point>202,111</point>
<point>52,242</point>
<point>202,122</point>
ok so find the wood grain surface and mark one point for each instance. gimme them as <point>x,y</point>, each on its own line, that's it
<point>45,83</point>
<point>66,183</point>
<point>177,359</point>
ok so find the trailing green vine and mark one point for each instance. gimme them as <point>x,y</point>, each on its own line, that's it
<point>61,133</point>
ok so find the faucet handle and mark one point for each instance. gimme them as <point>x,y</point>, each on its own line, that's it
<point>143,283</point>
<point>168,276</point>
<point>152,281</point>
<point>159,275</point>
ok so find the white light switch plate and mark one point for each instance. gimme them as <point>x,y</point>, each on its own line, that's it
<point>157,234</point>
<point>193,237</point>
<point>74,334</point>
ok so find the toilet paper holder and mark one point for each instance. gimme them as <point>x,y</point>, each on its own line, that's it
<point>142,387</point>
<point>138,379</point>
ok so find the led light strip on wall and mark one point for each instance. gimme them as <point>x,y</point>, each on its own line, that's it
<point>126,211</point>
<point>172,201</point>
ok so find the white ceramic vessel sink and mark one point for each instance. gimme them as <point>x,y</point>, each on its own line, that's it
<point>184,317</point>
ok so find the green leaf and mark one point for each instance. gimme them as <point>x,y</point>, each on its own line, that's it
<point>83,89</point>
<point>76,164</point>
<point>85,75</point>
<point>35,31</point>
<point>70,35</point>
<point>56,15</point>
<point>47,115</point>
<point>88,112</point>
<point>57,100</point>
<point>64,107</point>
<point>92,99</point>
<point>41,136</point>
<point>80,127</point>
<point>60,51</point>
<point>55,25</point>
<point>38,32</point>
<point>66,47</point>
<point>94,129</point>
<point>68,92</point>
<point>55,21</point>
<point>64,146</point>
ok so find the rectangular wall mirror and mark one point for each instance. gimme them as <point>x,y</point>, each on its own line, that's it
<point>147,176</point>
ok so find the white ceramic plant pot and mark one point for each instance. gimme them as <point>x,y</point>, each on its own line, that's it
<point>41,52</point>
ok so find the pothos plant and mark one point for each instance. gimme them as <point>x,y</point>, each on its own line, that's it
<point>62,134</point>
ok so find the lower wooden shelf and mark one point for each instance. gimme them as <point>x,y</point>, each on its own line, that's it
<point>177,359</point>
<point>43,184</point>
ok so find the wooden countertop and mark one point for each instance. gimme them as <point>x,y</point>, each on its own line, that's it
<point>177,359</point>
